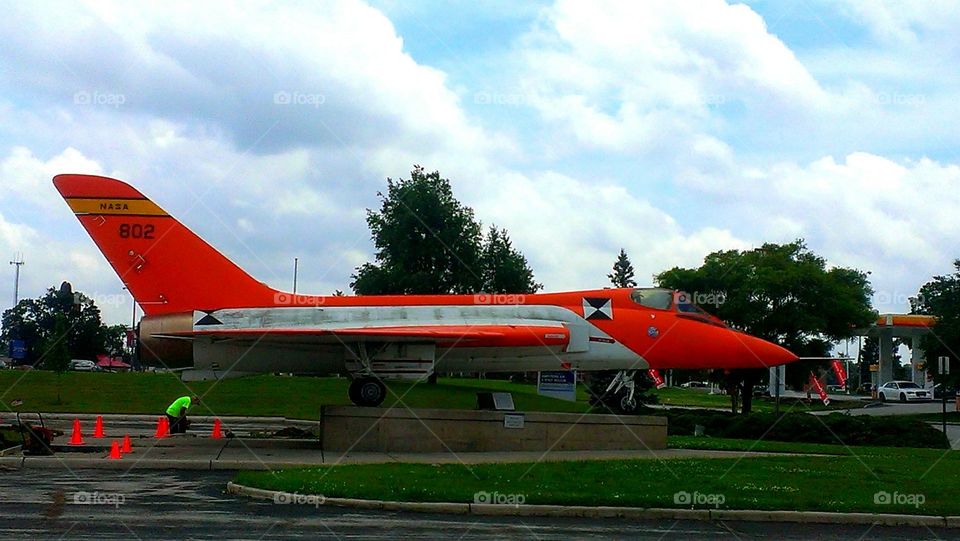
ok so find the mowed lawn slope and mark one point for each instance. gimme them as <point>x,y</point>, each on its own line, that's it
<point>872,480</point>
<point>293,397</point>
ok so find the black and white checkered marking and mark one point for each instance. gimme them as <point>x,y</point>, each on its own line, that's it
<point>597,308</point>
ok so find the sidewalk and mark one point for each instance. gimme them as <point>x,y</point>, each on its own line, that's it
<point>202,453</point>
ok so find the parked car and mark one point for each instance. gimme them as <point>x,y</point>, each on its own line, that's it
<point>865,388</point>
<point>903,391</point>
<point>951,391</point>
<point>695,385</point>
<point>83,365</point>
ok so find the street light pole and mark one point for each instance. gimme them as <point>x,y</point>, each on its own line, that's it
<point>18,262</point>
<point>296,264</point>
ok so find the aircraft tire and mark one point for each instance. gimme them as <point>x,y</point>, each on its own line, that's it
<point>628,405</point>
<point>367,392</point>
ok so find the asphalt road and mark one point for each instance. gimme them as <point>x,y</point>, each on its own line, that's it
<point>48,504</point>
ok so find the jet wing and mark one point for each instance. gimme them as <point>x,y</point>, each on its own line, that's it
<point>442,335</point>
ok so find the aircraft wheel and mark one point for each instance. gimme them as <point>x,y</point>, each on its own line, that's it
<point>903,397</point>
<point>628,405</point>
<point>367,391</point>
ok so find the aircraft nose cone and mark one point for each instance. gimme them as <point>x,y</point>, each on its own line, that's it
<point>764,353</point>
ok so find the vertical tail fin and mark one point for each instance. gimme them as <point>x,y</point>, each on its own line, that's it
<point>166,266</point>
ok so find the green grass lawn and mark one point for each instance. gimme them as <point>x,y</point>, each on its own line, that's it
<point>805,483</point>
<point>294,397</point>
<point>675,396</point>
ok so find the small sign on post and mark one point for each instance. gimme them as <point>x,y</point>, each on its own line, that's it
<point>944,365</point>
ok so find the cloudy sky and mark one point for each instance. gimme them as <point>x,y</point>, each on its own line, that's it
<point>671,129</point>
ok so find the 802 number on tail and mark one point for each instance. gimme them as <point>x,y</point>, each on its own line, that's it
<point>136,231</point>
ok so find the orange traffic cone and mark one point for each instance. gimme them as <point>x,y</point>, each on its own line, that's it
<point>163,428</point>
<point>76,438</point>
<point>217,430</point>
<point>115,451</point>
<point>98,428</point>
<point>126,447</point>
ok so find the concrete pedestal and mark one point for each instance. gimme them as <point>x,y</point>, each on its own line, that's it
<point>443,431</point>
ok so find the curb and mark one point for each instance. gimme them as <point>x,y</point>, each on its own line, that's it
<point>633,513</point>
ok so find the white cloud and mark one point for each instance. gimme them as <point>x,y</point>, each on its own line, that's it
<point>28,178</point>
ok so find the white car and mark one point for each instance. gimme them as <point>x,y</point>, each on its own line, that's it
<point>81,365</point>
<point>902,391</point>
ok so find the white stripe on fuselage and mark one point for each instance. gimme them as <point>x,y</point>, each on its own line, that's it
<point>581,352</point>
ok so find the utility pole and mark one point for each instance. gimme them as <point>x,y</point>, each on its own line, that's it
<point>296,263</point>
<point>18,262</point>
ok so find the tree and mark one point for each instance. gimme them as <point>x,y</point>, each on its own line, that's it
<point>56,356</point>
<point>622,275</point>
<point>782,293</point>
<point>869,354</point>
<point>503,268</point>
<point>940,297</point>
<point>34,321</point>
<point>426,240</point>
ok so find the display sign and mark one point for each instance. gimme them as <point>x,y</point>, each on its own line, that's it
<point>657,378</point>
<point>560,384</point>
<point>18,349</point>
<point>815,383</point>
<point>513,420</point>
<point>840,373</point>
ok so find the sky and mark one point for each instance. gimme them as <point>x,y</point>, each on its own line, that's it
<point>670,129</point>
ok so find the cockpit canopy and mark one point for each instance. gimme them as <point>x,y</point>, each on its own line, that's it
<point>660,298</point>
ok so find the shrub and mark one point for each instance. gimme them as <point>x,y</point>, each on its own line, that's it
<point>836,428</point>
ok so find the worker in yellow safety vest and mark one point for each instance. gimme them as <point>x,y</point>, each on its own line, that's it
<point>177,413</point>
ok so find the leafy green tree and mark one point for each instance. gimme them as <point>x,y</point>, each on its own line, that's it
<point>426,240</point>
<point>782,293</point>
<point>34,321</point>
<point>56,356</point>
<point>869,354</point>
<point>940,297</point>
<point>503,268</point>
<point>622,275</point>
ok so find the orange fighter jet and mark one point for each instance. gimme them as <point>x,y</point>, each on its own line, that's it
<point>203,310</point>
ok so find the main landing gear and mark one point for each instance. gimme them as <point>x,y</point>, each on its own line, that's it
<point>367,391</point>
